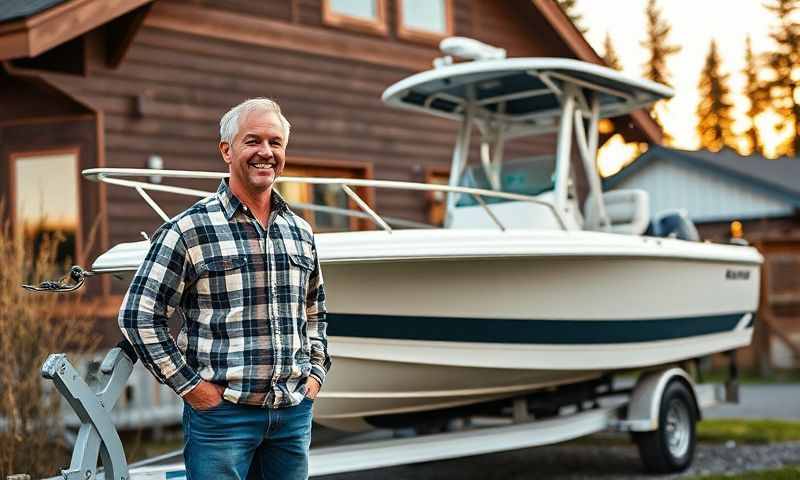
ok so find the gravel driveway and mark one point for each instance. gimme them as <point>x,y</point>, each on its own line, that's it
<point>578,461</point>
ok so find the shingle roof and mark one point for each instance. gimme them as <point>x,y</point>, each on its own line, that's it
<point>15,9</point>
<point>780,176</point>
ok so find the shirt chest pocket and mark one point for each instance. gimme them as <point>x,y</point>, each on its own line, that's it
<point>293,280</point>
<point>297,276</point>
<point>221,282</point>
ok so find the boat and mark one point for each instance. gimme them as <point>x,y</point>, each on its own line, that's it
<point>537,281</point>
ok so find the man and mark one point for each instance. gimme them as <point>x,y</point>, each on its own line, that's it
<point>243,271</point>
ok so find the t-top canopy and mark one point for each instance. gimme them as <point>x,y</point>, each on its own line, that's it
<point>520,89</point>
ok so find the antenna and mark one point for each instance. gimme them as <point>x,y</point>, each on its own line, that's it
<point>470,49</point>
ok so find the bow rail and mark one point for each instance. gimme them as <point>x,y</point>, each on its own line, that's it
<point>120,177</point>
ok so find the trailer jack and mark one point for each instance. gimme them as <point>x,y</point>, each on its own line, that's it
<point>93,400</point>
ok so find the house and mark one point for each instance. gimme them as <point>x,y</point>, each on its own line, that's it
<point>763,196</point>
<point>143,83</point>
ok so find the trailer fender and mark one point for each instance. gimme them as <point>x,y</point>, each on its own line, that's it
<point>646,398</point>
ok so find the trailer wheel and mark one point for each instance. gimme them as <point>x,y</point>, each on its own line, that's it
<point>671,447</point>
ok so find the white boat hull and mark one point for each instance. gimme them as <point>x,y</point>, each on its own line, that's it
<point>410,335</point>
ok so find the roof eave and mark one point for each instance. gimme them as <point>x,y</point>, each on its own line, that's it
<point>39,33</point>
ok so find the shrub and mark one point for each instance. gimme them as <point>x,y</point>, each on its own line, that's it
<point>33,325</point>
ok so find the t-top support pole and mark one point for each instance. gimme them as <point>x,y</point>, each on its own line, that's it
<point>564,149</point>
<point>460,155</point>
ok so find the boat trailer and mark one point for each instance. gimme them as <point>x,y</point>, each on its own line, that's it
<point>639,410</point>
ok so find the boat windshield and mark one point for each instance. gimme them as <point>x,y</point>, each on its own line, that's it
<point>525,176</point>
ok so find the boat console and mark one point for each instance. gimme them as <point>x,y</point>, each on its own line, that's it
<point>503,99</point>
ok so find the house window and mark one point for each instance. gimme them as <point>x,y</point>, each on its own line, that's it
<point>303,194</point>
<point>363,15</point>
<point>425,20</point>
<point>46,201</point>
<point>437,200</point>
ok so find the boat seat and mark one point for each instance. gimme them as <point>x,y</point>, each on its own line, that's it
<point>627,210</point>
<point>675,224</point>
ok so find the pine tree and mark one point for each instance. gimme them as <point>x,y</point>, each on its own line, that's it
<point>569,8</point>
<point>715,109</point>
<point>756,94</point>
<point>610,54</point>
<point>784,62</point>
<point>659,50</point>
<point>657,46</point>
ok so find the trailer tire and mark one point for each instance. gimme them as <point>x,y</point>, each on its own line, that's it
<point>670,448</point>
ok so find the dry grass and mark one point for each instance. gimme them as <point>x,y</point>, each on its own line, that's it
<point>33,325</point>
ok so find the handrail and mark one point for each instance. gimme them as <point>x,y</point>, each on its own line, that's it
<point>112,176</point>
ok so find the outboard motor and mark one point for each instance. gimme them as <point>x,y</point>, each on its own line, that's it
<point>675,224</point>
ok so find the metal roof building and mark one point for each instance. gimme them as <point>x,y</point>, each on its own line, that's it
<point>714,187</point>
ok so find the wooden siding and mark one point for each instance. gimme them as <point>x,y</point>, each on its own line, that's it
<point>516,26</point>
<point>309,12</point>
<point>167,101</point>
<point>30,100</point>
<point>272,9</point>
<point>778,232</point>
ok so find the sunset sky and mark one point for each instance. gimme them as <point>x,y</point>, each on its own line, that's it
<point>694,24</point>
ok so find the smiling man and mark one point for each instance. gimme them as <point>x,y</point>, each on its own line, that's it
<point>242,269</point>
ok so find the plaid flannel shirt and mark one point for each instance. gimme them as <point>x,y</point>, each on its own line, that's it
<point>252,301</point>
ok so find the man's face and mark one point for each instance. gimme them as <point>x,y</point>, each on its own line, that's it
<point>257,154</point>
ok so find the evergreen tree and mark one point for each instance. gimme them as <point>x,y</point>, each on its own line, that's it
<point>659,51</point>
<point>784,62</point>
<point>715,110</point>
<point>756,94</point>
<point>657,45</point>
<point>610,54</point>
<point>569,8</point>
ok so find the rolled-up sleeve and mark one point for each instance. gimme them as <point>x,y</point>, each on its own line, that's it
<point>315,315</point>
<point>153,296</point>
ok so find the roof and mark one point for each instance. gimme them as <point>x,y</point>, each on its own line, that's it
<point>29,28</point>
<point>519,85</point>
<point>778,178</point>
<point>14,9</point>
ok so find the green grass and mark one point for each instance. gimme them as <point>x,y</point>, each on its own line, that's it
<point>748,431</point>
<point>785,473</point>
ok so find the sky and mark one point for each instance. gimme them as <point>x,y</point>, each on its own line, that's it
<point>694,24</point>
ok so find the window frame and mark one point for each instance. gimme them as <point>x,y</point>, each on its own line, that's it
<point>75,150</point>
<point>430,174</point>
<point>379,26</point>
<point>424,36</point>
<point>317,165</point>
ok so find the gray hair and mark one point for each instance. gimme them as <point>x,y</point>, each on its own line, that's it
<point>229,123</point>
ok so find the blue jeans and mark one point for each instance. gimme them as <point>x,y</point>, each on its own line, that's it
<point>240,442</point>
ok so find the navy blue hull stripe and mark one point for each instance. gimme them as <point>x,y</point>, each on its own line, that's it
<point>485,330</point>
